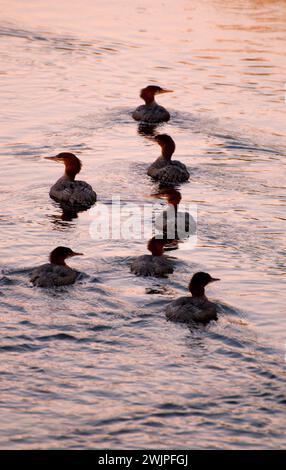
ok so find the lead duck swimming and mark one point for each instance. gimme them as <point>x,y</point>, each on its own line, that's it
<point>71,194</point>
<point>151,111</point>
<point>56,273</point>
<point>164,169</point>
<point>156,264</point>
<point>196,308</point>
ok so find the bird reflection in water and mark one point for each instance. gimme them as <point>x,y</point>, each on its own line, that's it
<point>147,130</point>
<point>174,224</point>
<point>61,221</point>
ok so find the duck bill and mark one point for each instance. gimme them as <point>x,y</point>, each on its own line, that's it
<point>165,90</point>
<point>213,279</point>
<point>76,254</point>
<point>54,159</point>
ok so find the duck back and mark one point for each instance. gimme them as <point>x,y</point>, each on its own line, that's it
<point>168,172</point>
<point>73,194</point>
<point>187,309</point>
<point>51,275</point>
<point>149,265</point>
<point>151,113</point>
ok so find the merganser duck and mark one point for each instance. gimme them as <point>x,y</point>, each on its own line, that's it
<point>164,169</point>
<point>151,111</point>
<point>156,264</point>
<point>56,272</point>
<point>197,307</point>
<point>172,223</point>
<point>69,193</point>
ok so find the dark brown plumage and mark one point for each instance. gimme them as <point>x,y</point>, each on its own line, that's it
<point>69,193</point>
<point>151,112</point>
<point>56,272</point>
<point>156,264</point>
<point>197,307</point>
<point>164,169</point>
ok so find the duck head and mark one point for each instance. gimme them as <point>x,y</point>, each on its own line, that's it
<point>60,254</point>
<point>198,283</point>
<point>148,94</point>
<point>156,246</point>
<point>71,162</point>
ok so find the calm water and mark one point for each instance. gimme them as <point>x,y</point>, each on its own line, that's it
<point>96,365</point>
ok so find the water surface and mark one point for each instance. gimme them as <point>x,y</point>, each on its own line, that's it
<point>96,365</point>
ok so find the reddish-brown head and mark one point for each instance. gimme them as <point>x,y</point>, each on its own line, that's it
<point>148,94</point>
<point>167,145</point>
<point>71,162</point>
<point>60,254</point>
<point>156,246</point>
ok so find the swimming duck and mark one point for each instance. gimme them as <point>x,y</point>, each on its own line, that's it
<point>197,307</point>
<point>156,264</point>
<point>56,272</point>
<point>172,222</point>
<point>69,193</point>
<point>164,169</point>
<point>151,111</point>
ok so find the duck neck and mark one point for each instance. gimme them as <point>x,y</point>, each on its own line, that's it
<point>57,260</point>
<point>156,248</point>
<point>148,97</point>
<point>197,291</point>
<point>68,176</point>
<point>149,100</point>
<point>157,251</point>
<point>72,168</point>
<point>167,151</point>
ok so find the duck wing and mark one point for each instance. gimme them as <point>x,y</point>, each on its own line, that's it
<point>156,167</point>
<point>50,275</point>
<point>73,194</point>
<point>151,114</point>
<point>174,172</point>
<point>187,309</point>
<point>148,265</point>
